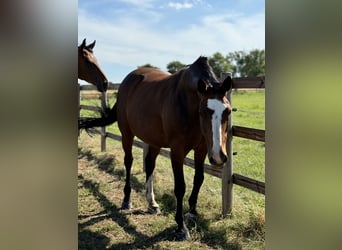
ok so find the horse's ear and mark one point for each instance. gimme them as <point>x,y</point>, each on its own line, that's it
<point>92,45</point>
<point>83,43</point>
<point>227,84</point>
<point>202,86</point>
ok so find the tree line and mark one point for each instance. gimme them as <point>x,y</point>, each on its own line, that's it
<point>239,63</point>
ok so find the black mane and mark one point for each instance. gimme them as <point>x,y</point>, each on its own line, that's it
<point>203,68</point>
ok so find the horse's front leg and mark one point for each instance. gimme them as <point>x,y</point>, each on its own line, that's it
<point>150,155</point>
<point>182,233</point>
<point>200,154</point>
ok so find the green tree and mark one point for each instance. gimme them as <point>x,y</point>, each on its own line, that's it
<point>236,59</point>
<point>247,64</point>
<point>254,63</point>
<point>174,66</point>
<point>219,64</point>
<point>148,65</point>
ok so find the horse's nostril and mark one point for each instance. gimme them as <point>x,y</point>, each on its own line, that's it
<point>212,161</point>
<point>223,157</point>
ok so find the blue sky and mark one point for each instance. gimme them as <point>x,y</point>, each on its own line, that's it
<point>130,33</point>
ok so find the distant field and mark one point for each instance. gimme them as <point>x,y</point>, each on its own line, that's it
<point>92,94</point>
<point>101,180</point>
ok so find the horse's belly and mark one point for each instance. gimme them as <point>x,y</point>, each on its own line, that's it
<point>165,137</point>
<point>152,137</point>
<point>149,130</point>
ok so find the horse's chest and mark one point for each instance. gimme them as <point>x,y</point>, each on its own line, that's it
<point>183,125</point>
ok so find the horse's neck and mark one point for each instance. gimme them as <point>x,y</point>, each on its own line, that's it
<point>186,92</point>
<point>186,81</point>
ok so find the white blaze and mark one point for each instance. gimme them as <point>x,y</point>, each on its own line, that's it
<point>218,107</point>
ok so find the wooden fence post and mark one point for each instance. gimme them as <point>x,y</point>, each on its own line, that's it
<point>103,129</point>
<point>227,171</point>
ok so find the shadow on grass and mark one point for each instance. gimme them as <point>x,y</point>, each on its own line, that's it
<point>217,237</point>
<point>85,154</point>
<point>89,240</point>
<point>96,240</point>
<point>167,202</point>
<point>107,164</point>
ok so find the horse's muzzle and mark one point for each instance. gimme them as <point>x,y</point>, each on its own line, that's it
<point>218,160</point>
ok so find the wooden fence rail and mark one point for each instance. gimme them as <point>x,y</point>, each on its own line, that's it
<point>226,173</point>
<point>249,133</point>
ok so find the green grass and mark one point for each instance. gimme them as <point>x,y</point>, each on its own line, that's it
<point>101,180</point>
<point>250,107</point>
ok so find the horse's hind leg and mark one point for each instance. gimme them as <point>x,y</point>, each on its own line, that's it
<point>149,165</point>
<point>127,141</point>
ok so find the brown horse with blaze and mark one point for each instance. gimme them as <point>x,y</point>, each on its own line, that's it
<point>184,111</point>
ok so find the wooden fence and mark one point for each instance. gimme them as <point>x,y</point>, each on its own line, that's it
<point>226,173</point>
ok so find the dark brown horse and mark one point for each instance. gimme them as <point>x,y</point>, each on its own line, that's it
<point>88,67</point>
<point>184,111</point>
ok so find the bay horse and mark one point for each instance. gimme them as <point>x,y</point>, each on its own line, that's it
<point>184,111</point>
<point>88,67</point>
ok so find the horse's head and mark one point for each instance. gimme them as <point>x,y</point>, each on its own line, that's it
<point>88,67</point>
<point>214,111</point>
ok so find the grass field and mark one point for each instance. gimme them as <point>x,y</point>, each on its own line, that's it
<point>102,225</point>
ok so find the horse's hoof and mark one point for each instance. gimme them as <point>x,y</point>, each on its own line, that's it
<point>126,205</point>
<point>183,235</point>
<point>190,220</point>
<point>190,217</point>
<point>154,210</point>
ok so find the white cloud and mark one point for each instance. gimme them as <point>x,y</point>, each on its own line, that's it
<point>131,41</point>
<point>179,6</point>
<point>140,3</point>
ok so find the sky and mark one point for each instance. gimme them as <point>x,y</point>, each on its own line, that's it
<point>131,33</point>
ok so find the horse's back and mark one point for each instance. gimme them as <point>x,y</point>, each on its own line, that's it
<point>140,104</point>
<point>142,78</point>
<point>151,74</point>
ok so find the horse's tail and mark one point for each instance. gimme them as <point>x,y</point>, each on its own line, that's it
<point>108,117</point>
